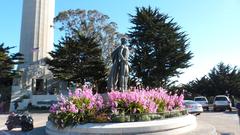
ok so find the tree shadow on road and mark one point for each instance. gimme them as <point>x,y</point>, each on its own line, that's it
<point>227,134</point>
<point>222,111</point>
<point>232,112</point>
<point>35,131</point>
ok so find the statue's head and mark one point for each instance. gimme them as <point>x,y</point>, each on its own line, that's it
<point>123,41</point>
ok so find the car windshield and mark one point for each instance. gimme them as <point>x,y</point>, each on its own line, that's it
<point>189,102</point>
<point>220,99</point>
<point>200,99</point>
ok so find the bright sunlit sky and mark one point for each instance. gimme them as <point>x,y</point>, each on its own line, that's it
<point>213,26</point>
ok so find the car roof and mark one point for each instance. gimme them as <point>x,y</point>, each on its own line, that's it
<point>189,101</point>
<point>200,97</point>
<point>221,96</point>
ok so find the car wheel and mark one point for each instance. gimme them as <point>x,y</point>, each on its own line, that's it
<point>9,127</point>
<point>25,126</point>
<point>207,108</point>
<point>214,109</point>
<point>30,127</point>
<point>197,114</point>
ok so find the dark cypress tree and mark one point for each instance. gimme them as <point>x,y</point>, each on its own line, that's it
<point>8,61</point>
<point>78,59</point>
<point>160,48</point>
<point>222,79</point>
<point>7,72</point>
<point>90,23</point>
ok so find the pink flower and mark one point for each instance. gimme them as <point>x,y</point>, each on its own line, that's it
<point>73,108</point>
<point>70,94</point>
<point>77,92</point>
<point>63,109</point>
<point>53,108</point>
<point>137,101</point>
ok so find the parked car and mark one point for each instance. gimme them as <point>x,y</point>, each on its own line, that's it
<point>203,101</point>
<point>19,120</point>
<point>193,107</point>
<point>222,102</point>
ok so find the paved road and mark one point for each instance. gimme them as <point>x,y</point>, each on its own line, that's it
<point>39,120</point>
<point>226,123</point>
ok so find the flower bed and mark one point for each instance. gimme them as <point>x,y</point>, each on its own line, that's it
<point>82,106</point>
<point>147,116</point>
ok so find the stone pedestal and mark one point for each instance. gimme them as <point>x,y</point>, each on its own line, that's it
<point>169,126</point>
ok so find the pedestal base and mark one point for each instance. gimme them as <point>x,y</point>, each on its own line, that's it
<point>170,126</point>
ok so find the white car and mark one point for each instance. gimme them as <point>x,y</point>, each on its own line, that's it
<point>193,107</point>
<point>222,102</point>
<point>203,101</point>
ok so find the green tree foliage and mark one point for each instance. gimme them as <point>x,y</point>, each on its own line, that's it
<point>160,48</point>
<point>225,78</point>
<point>7,73</point>
<point>90,23</point>
<point>8,61</point>
<point>199,87</point>
<point>222,79</point>
<point>76,59</point>
<point>6,65</point>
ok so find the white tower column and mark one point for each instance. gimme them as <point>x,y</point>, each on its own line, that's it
<point>36,41</point>
<point>36,31</point>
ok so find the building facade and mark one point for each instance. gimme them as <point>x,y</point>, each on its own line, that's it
<point>36,41</point>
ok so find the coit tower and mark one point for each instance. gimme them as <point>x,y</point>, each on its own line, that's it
<point>36,41</point>
<point>36,30</point>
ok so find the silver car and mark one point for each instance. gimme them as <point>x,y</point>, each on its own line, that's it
<point>193,107</point>
<point>203,101</point>
<point>222,102</point>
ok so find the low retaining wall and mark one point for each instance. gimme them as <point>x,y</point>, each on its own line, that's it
<point>170,126</point>
<point>43,100</point>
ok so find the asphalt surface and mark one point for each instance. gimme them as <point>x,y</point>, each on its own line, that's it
<point>226,123</point>
<point>39,120</point>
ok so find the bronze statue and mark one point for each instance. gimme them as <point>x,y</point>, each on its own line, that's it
<point>118,77</point>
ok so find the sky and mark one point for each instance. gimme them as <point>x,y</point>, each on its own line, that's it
<point>213,26</point>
